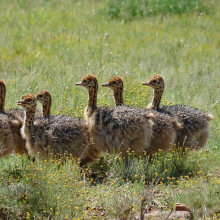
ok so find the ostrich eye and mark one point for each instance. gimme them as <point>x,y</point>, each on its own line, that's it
<point>84,81</point>
<point>154,81</point>
<point>40,96</point>
<point>28,100</point>
<point>113,82</point>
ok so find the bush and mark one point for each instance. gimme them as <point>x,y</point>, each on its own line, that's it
<point>129,9</point>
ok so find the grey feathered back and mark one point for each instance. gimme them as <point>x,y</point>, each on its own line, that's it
<point>194,133</point>
<point>60,134</point>
<point>117,129</point>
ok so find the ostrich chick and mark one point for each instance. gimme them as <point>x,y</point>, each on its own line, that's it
<point>194,133</point>
<point>10,136</point>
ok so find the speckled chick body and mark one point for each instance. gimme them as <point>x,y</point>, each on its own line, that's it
<point>194,133</point>
<point>10,136</point>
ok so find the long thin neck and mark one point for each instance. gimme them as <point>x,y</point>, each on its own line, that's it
<point>157,97</point>
<point>118,95</point>
<point>46,109</point>
<point>29,117</point>
<point>92,101</point>
<point>2,96</point>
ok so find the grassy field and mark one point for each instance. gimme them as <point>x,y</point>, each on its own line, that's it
<point>52,45</point>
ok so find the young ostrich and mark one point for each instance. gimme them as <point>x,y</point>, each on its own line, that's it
<point>116,129</point>
<point>194,134</point>
<point>90,153</point>
<point>45,135</point>
<point>10,137</point>
<point>164,128</point>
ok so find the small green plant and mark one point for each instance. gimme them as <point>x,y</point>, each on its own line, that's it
<point>160,169</point>
<point>129,9</point>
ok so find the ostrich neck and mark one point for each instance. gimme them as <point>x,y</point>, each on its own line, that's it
<point>92,101</point>
<point>2,105</point>
<point>29,118</point>
<point>46,109</point>
<point>118,95</point>
<point>157,98</point>
<point>2,98</point>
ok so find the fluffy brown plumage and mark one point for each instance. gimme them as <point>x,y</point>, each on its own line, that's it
<point>116,129</point>
<point>57,134</point>
<point>10,137</point>
<point>194,133</point>
<point>164,128</point>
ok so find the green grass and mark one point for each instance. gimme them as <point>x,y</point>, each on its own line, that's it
<point>131,9</point>
<point>52,45</point>
<point>109,189</point>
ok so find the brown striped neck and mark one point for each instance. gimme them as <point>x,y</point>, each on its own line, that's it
<point>29,104</point>
<point>45,98</point>
<point>29,117</point>
<point>91,83</point>
<point>46,109</point>
<point>2,96</point>
<point>92,101</point>
<point>157,83</point>
<point>157,98</point>
<point>118,96</point>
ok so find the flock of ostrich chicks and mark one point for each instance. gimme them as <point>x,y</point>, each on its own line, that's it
<point>114,129</point>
